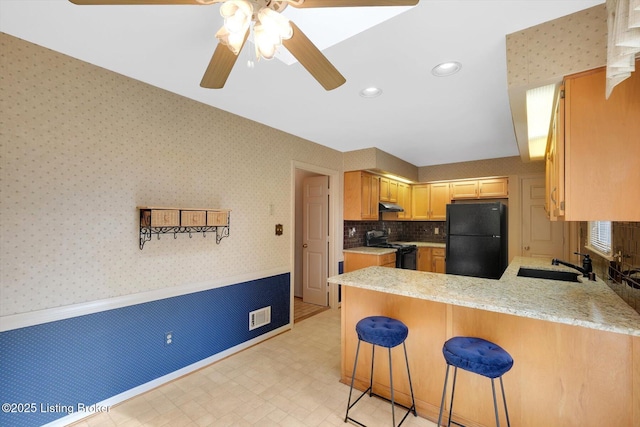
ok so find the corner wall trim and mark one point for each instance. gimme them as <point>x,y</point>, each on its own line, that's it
<point>22,320</point>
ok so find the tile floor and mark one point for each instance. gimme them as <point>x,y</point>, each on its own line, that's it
<point>289,380</point>
<point>303,310</point>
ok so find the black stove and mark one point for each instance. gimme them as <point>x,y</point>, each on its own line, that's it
<point>405,254</point>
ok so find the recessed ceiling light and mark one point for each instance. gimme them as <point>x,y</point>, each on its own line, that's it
<point>370,92</point>
<point>446,69</point>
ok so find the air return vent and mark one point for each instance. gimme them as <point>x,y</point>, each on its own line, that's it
<point>259,317</point>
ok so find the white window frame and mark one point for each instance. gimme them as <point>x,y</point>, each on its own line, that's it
<point>600,237</point>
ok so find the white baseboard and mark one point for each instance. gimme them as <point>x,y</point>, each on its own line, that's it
<point>136,391</point>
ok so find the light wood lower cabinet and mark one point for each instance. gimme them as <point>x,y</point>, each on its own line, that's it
<point>431,260</point>
<point>356,261</point>
<point>563,375</point>
<point>438,264</point>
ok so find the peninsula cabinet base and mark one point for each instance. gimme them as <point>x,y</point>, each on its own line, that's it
<point>563,375</point>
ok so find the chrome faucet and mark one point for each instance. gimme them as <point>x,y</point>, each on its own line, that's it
<point>586,269</point>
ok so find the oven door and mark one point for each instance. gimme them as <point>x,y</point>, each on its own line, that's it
<point>406,258</point>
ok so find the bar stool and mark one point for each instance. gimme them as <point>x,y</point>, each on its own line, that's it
<point>384,332</point>
<point>478,356</point>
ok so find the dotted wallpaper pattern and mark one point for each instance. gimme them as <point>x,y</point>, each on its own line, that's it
<point>566,45</point>
<point>83,146</point>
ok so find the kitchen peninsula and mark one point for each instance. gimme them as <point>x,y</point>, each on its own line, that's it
<point>576,346</point>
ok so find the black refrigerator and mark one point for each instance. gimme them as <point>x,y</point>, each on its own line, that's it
<point>477,239</point>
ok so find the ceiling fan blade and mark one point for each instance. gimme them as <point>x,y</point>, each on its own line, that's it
<point>313,60</point>
<point>220,66</point>
<point>352,3</point>
<point>136,2</point>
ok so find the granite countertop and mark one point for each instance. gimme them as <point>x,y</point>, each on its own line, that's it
<point>368,250</point>
<point>591,304</point>
<point>382,251</point>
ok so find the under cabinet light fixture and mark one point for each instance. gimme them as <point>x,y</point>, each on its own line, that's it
<point>539,113</point>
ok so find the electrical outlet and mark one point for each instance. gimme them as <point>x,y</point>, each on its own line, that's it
<point>436,230</point>
<point>168,338</point>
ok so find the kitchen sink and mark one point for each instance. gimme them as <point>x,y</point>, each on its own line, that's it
<point>565,276</point>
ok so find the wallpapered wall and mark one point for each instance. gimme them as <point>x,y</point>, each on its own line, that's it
<point>83,146</point>
<point>553,49</point>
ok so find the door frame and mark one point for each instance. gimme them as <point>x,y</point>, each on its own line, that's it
<point>566,243</point>
<point>335,227</point>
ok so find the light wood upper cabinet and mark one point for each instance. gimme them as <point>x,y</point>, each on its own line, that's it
<point>554,166</point>
<point>493,187</point>
<point>602,148</point>
<point>464,190</point>
<point>439,199</point>
<point>388,190</point>
<point>430,201</point>
<point>420,195</point>
<point>363,191</point>
<point>404,200</point>
<point>486,188</point>
<point>361,196</point>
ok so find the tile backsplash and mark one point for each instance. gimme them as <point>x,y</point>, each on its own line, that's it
<point>619,273</point>
<point>405,231</point>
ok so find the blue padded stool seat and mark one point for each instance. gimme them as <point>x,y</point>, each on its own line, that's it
<point>382,331</point>
<point>477,355</point>
<point>481,357</point>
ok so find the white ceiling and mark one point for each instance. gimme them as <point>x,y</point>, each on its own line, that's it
<point>419,118</point>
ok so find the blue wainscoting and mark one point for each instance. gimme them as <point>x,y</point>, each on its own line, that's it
<point>55,366</point>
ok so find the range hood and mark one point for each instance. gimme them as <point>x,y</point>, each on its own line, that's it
<point>389,207</point>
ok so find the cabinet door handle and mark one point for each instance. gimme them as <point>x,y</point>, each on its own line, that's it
<point>553,199</point>
<point>305,245</point>
<point>526,248</point>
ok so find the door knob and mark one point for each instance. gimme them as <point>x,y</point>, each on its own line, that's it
<point>305,245</point>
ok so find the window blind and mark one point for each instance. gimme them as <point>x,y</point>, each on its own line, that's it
<point>600,236</point>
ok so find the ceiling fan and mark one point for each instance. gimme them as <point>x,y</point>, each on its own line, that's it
<point>270,30</point>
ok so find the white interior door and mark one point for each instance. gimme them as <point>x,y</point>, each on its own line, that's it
<point>315,240</point>
<point>541,238</point>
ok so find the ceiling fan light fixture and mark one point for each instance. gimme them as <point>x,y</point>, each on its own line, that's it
<point>446,69</point>
<point>269,31</point>
<point>233,41</point>
<point>275,23</point>
<point>237,15</point>
<point>371,92</point>
<point>265,41</point>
